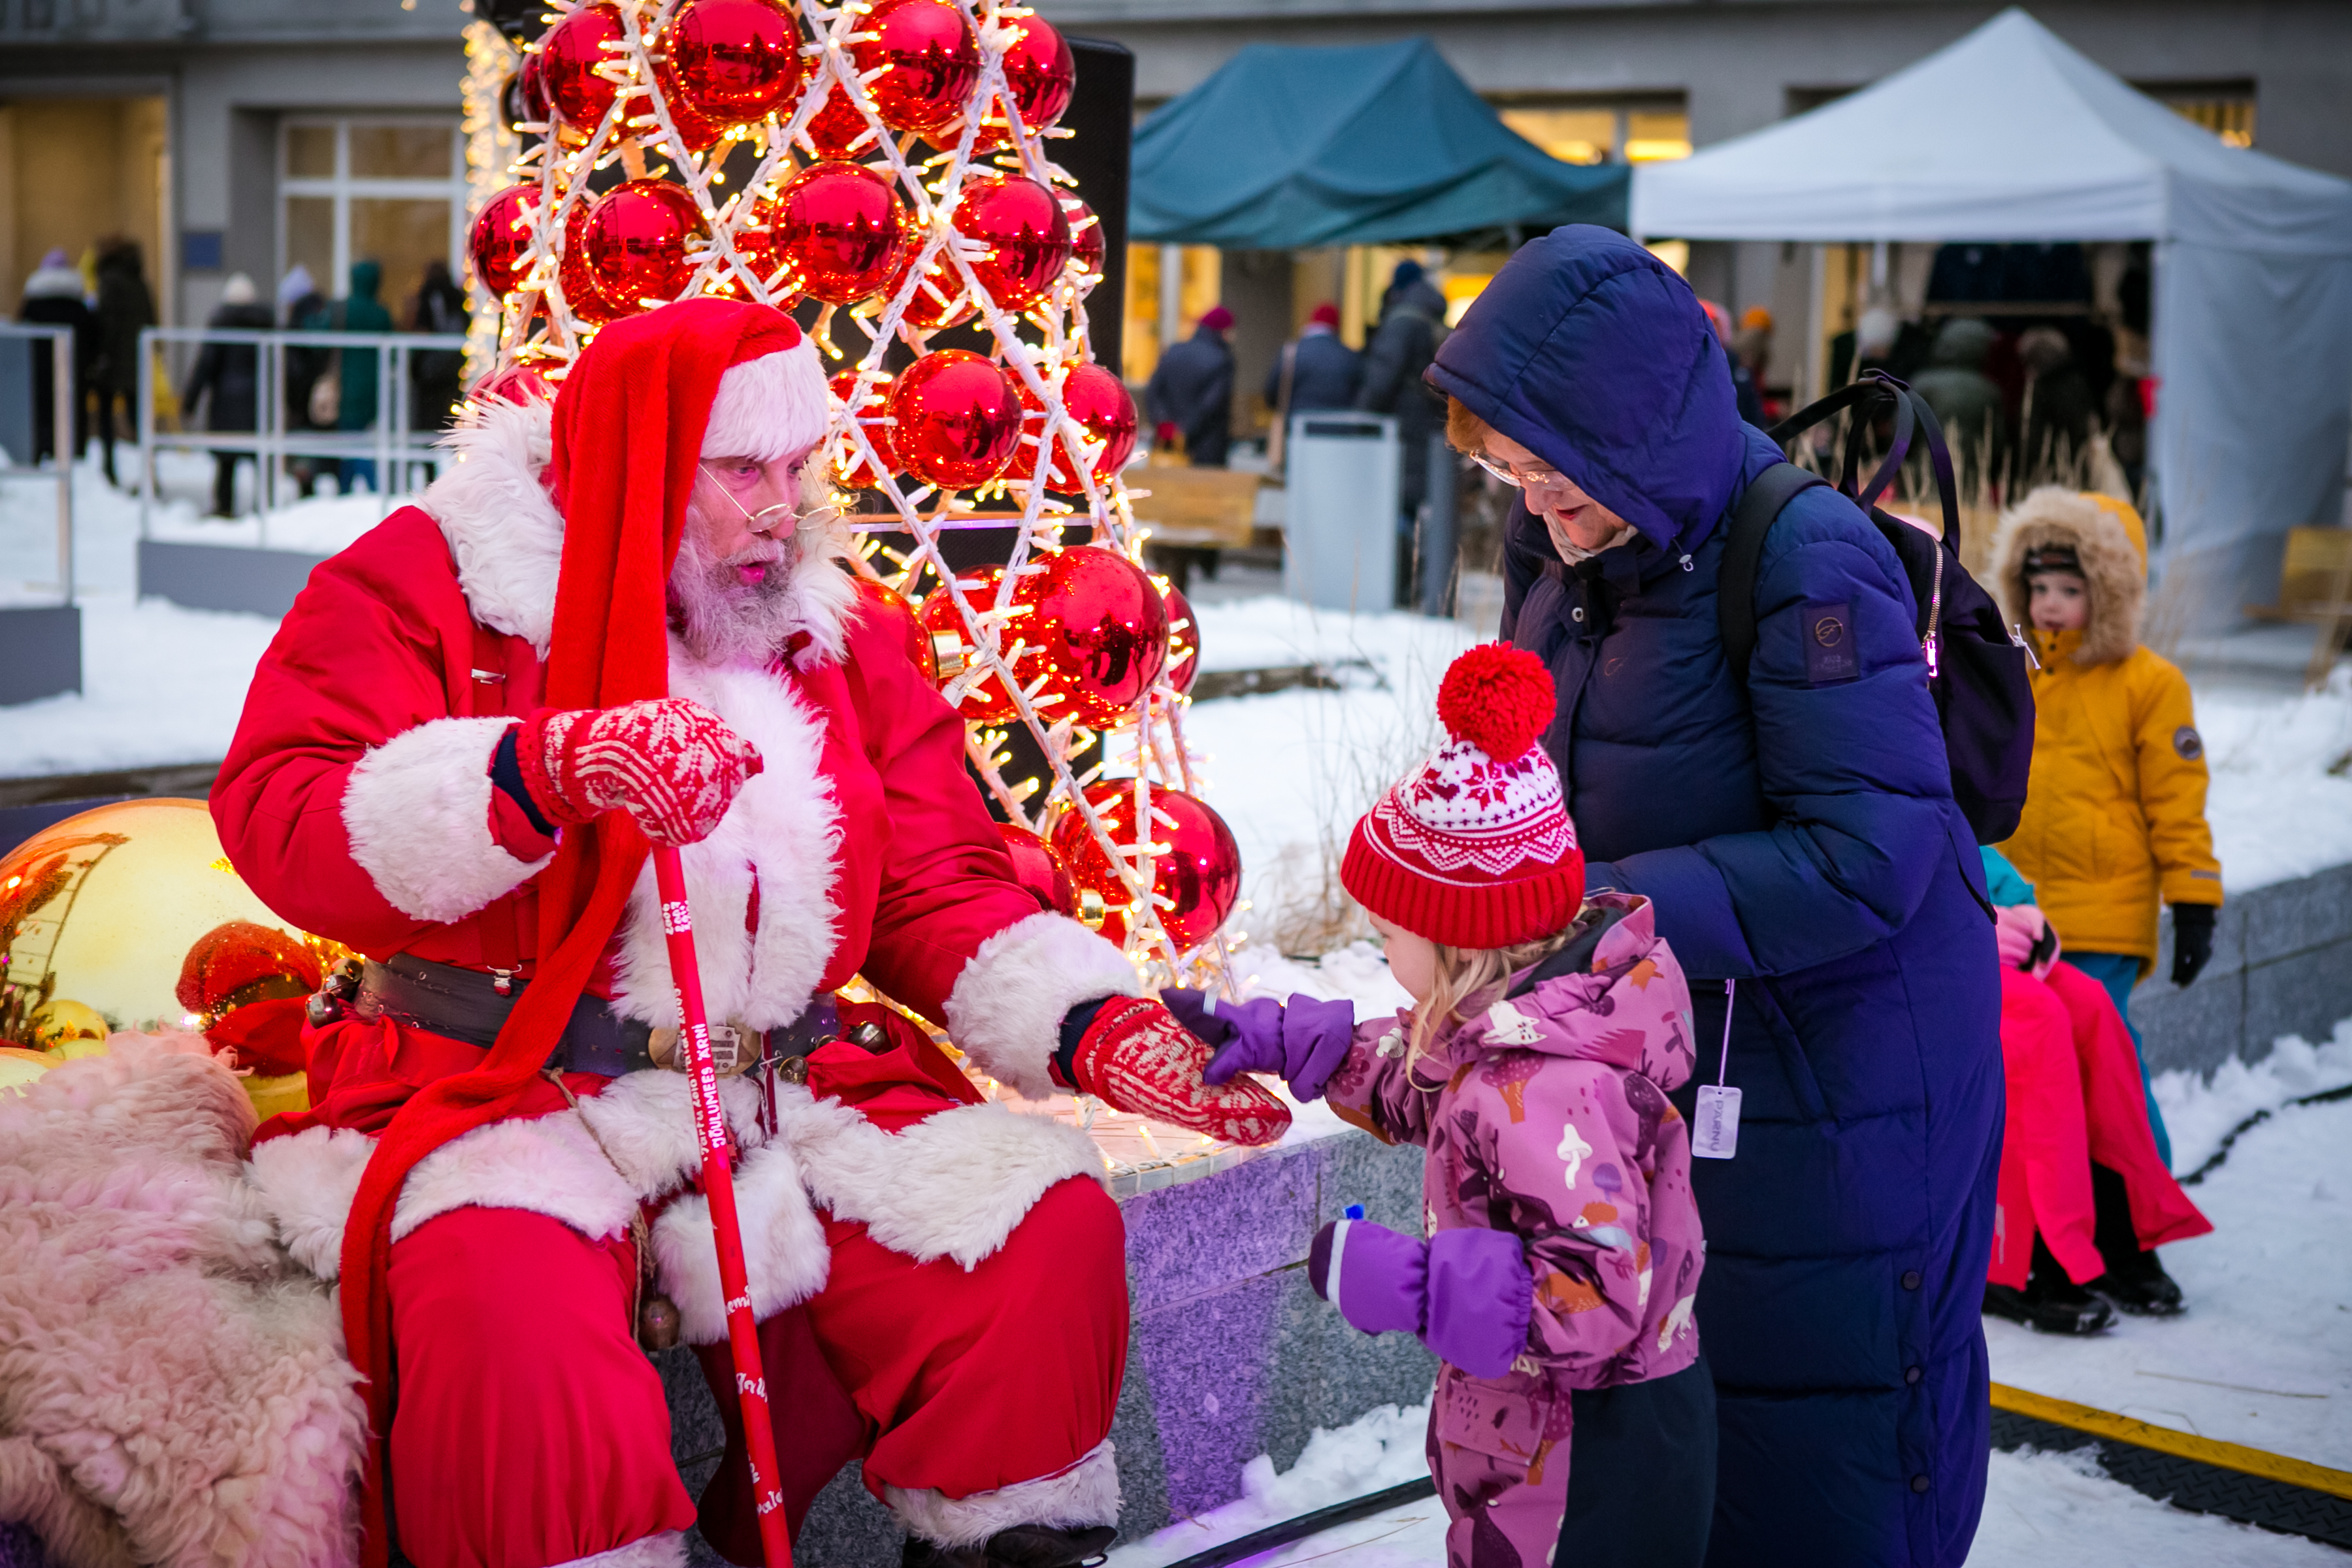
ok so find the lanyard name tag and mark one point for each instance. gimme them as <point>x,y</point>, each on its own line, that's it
<point>1715,1122</point>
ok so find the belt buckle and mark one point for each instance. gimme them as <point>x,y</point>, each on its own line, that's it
<point>733,1049</point>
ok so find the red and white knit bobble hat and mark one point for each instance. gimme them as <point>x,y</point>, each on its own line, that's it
<point>1474,848</point>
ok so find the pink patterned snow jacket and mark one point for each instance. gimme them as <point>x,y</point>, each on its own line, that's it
<point>1547,1116</point>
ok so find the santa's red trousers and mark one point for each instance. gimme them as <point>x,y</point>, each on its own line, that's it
<point>531,1430</point>
<point>2075,1098</point>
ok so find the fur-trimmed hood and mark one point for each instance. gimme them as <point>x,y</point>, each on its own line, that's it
<point>2106,536</point>
<point>507,536</point>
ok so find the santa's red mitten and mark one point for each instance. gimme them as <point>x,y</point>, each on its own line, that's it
<point>1135,1056</point>
<point>673,765</point>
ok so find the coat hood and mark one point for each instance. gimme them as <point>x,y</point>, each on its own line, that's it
<point>1592,354</point>
<point>2106,536</point>
<point>1583,1003</point>
<point>367,277</point>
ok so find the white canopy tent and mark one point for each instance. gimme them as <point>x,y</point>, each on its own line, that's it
<point>2011,135</point>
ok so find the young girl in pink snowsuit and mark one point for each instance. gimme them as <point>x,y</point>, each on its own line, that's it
<point>1563,1252</point>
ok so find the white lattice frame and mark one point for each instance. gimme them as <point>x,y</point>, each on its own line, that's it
<point>1157,750</point>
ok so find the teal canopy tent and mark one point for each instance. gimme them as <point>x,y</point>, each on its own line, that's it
<point>1288,147</point>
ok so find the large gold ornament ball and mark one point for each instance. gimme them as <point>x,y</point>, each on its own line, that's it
<point>97,915</point>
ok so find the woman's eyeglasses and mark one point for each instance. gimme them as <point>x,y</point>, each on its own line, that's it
<point>1519,480</point>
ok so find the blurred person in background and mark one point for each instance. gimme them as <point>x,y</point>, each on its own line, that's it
<point>53,297</point>
<point>1190,392</point>
<point>436,376</point>
<point>1749,402</point>
<point>1315,370</point>
<point>355,405</point>
<point>229,375</point>
<point>302,309</point>
<point>1753,349</point>
<point>125,308</point>
<point>1412,325</point>
<point>1967,402</point>
<point>2059,408</point>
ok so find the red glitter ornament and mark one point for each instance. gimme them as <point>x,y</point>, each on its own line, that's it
<point>1087,244</point>
<point>568,56</point>
<point>842,230</point>
<point>866,407</point>
<point>1198,870</point>
<point>931,60</point>
<point>1026,233</point>
<point>958,420</point>
<point>517,383</point>
<point>636,242</point>
<point>731,62</point>
<point>1183,640</point>
<point>1039,70</point>
<point>500,236</point>
<point>1102,630</point>
<point>836,130</point>
<point>985,701</point>
<point>1037,867</point>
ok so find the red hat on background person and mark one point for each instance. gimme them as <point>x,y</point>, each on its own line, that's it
<point>1217,319</point>
<point>1474,847</point>
<point>1326,314</point>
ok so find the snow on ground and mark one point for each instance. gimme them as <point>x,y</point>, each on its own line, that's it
<point>2281,802</point>
<point>2270,1309</point>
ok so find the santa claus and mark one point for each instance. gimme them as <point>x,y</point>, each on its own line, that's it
<point>618,621</point>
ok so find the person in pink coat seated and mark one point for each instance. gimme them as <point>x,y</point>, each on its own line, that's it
<point>1574,1419</point>
<point>2085,1200</point>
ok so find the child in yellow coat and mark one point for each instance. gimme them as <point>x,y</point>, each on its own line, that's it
<point>2114,815</point>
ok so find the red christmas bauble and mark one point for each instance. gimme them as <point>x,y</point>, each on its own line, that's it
<point>931,57</point>
<point>582,294</point>
<point>940,300</point>
<point>1102,630</point>
<point>842,229</point>
<point>1039,70</point>
<point>1183,640</point>
<point>517,383</point>
<point>568,56</point>
<point>851,468</point>
<point>1198,870</point>
<point>1026,233</point>
<point>836,130</point>
<point>985,701</point>
<point>636,242</point>
<point>956,419</point>
<point>1098,400</point>
<point>727,62</point>
<point>501,236</point>
<point>1037,867</point>
<point>888,607</point>
<point>1087,244</point>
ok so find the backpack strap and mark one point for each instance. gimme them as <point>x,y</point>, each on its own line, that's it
<point>1743,549</point>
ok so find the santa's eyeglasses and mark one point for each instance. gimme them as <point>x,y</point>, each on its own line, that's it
<point>800,513</point>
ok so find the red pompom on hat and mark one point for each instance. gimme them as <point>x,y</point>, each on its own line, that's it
<point>1474,848</point>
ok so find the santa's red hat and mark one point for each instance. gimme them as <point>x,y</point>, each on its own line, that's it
<point>1474,848</point>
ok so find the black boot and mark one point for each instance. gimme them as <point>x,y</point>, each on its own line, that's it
<point>2051,1303</point>
<point>1022,1546</point>
<point>2135,1281</point>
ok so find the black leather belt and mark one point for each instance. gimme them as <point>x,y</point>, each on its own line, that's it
<point>465,1004</point>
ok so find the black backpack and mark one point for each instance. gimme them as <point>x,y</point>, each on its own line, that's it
<point>1976,665</point>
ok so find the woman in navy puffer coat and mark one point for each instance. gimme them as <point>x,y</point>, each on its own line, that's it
<point>1797,837</point>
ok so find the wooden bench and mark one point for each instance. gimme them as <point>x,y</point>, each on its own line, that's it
<point>1194,509</point>
<point>2315,588</point>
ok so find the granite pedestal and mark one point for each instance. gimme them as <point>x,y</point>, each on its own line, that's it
<point>2282,966</point>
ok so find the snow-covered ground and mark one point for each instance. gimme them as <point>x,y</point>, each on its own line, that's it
<point>2260,1359</point>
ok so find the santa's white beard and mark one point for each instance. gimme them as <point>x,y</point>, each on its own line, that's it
<point>725,620</point>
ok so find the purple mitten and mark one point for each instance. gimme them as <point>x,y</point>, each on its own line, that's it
<point>1378,1278</point>
<point>1304,1041</point>
<point>1481,1295</point>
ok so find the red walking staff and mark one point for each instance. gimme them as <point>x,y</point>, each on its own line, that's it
<point>719,1186</point>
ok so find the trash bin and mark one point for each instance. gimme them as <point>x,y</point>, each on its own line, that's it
<point>1339,528</point>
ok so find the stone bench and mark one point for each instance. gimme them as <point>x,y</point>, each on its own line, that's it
<point>2282,966</point>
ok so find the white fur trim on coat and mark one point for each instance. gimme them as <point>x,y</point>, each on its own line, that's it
<point>417,812</point>
<point>770,407</point>
<point>503,530</point>
<point>666,1549</point>
<point>1006,1007</point>
<point>953,1185</point>
<point>786,1259</point>
<point>784,827</point>
<point>545,1165</point>
<point>1085,1494</point>
<point>307,1181</point>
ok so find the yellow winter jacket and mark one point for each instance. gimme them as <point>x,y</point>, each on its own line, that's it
<point>2115,811</point>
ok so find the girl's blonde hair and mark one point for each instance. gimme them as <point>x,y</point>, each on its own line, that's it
<point>1470,978</point>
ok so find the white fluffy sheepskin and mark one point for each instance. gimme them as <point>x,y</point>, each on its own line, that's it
<point>417,812</point>
<point>176,1389</point>
<point>1085,1494</point>
<point>1006,1007</point>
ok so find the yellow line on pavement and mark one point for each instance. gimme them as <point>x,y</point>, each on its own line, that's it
<point>2182,1445</point>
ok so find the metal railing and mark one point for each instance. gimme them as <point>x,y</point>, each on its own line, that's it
<point>401,454</point>
<point>63,389</point>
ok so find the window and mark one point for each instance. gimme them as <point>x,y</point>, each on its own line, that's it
<point>1643,129</point>
<point>2224,108</point>
<point>388,191</point>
